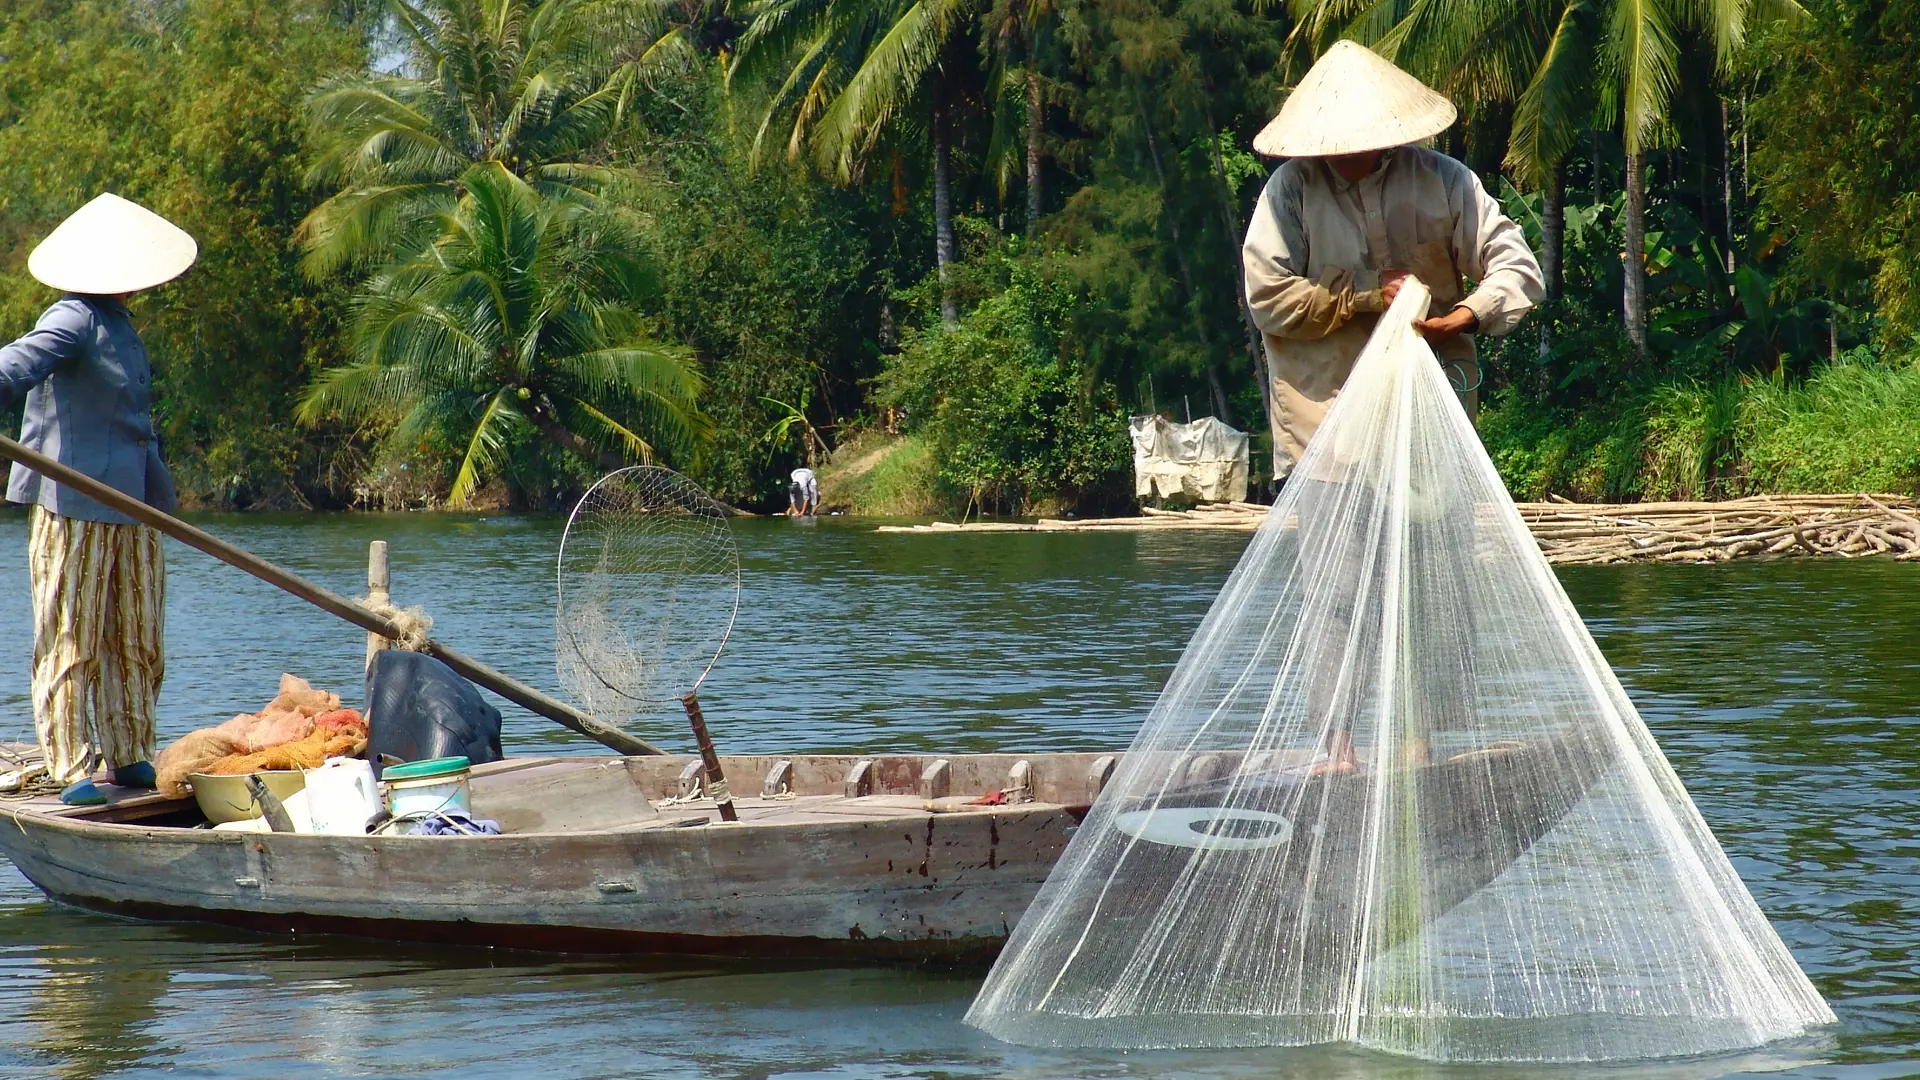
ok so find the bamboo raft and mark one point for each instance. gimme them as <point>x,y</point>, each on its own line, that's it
<point>1846,526</point>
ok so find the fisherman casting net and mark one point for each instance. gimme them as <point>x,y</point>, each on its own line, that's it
<point>1393,795</point>
<point>649,582</point>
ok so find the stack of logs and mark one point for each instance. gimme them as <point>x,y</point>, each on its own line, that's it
<point>1580,533</point>
<point>1231,516</point>
<point>1843,525</point>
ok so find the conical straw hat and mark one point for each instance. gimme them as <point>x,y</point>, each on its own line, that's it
<point>1351,102</point>
<point>112,246</point>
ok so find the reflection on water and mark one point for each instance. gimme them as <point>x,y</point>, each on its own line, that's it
<point>1785,695</point>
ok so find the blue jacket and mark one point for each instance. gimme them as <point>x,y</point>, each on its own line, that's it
<point>89,388</point>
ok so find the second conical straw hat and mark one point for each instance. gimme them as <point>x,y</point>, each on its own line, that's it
<point>1353,101</point>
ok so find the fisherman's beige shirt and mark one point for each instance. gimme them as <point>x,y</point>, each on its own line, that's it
<point>1314,255</point>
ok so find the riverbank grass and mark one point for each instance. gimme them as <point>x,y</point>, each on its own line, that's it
<point>1854,425</point>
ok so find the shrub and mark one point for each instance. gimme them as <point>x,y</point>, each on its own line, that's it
<point>1009,416</point>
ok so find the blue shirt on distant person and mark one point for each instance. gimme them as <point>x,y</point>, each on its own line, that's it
<point>88,387</point>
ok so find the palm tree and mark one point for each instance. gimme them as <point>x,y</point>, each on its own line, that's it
<point>1565,65</point>
<point>516,317</point>
<point>1022,22</point>
<point>535,85</point>
<point>845,72</point>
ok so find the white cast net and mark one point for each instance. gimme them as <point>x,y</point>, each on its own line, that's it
<point>1394,796</point>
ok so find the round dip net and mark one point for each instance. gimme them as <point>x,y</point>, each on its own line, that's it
<point>649,583</point>
<point>1392,795</point>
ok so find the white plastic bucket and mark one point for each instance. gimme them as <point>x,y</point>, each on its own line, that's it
<point>428,794</point>
<point>342,796</point>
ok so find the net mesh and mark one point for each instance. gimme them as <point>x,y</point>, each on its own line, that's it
<point>1393,795</point>
<point>649,583</point>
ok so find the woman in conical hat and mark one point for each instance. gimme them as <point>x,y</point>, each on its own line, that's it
<point>99,582</point>
<point>1355,209</point>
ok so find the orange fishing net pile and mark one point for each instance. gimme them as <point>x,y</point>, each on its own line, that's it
<point>337,734</point>
<point>299,728</point>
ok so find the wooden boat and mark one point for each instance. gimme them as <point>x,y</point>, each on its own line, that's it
<point>839,858</point>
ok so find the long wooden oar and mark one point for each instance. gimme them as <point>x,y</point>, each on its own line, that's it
<point>326,600</point>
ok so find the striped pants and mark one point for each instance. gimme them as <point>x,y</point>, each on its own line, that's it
<point>99,603</point>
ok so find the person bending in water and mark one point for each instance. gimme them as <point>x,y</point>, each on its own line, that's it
<point>803,493</point>
<point>98,578</point>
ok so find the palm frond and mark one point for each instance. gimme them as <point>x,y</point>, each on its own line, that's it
<point>486,447</point>
<point>636,447</point>
<point>1555,106</point>
<point>357,393</point>
<point>1642,54</point>
<point>889,76</point>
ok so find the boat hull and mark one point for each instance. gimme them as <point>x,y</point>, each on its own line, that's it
<point>831,878</point>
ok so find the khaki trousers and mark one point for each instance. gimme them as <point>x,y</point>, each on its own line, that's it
<point>99,604</point>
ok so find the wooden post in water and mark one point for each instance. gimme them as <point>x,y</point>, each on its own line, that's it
<point>378,582</point>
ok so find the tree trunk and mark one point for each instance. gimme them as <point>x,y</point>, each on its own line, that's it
<point>1034,125</point>
<point>567,439</point>
<point>1634,296</point>
<point>943,245</point>
<point>1194,309</point>
<point>1726,188</point>
<point>1219,389</point>
<point>1553,230</point>
<point>1230,217</point>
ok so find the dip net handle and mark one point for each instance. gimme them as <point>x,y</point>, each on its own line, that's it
<point>716,780</point>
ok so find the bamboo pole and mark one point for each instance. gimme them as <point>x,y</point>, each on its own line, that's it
<point>506,686</point>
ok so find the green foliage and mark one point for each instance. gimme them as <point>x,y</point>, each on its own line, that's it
<point>1840,150</point>
<point>1592,455</point>
<point>1848,427</point>
<point>883,475</point>
<point>773,278</point>
<point>764,176</point>
<point>519,317</point>
<point>1852,427</point>
<point>537,86</point>
<point>1008,413</point>
<point>191,108</point>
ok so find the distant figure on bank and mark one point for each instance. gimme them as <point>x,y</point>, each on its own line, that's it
<point>99,579</point>
<point>1340,225</point>
<point>1351,214</point>
<point>803,494</point>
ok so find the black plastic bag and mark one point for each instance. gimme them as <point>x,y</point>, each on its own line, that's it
<point>417,708</point>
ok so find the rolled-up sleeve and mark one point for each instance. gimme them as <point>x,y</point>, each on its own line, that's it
<point>1496,255</point>
<point>1284,302</point>
<point>60,335</point>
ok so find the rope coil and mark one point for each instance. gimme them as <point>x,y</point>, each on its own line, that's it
<point>411,624</point>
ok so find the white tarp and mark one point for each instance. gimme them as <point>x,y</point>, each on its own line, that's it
<point>1204,460</point>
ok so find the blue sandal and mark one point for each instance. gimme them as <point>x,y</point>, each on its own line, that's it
<point>83,793</point>
<point>87,793</point>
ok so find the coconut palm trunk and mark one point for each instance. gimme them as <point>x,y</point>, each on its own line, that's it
<point>1634,295</point>
<point>1553,231</point>
<point>1035,195</point>
<point>943,244</point>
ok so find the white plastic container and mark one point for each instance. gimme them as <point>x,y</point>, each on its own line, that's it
<point>342,796</point>
<point>422,787</point>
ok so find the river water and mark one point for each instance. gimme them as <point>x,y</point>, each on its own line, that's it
<point>1786,694</point>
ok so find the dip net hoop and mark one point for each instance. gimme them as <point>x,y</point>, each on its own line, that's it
<point>648,587</point>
